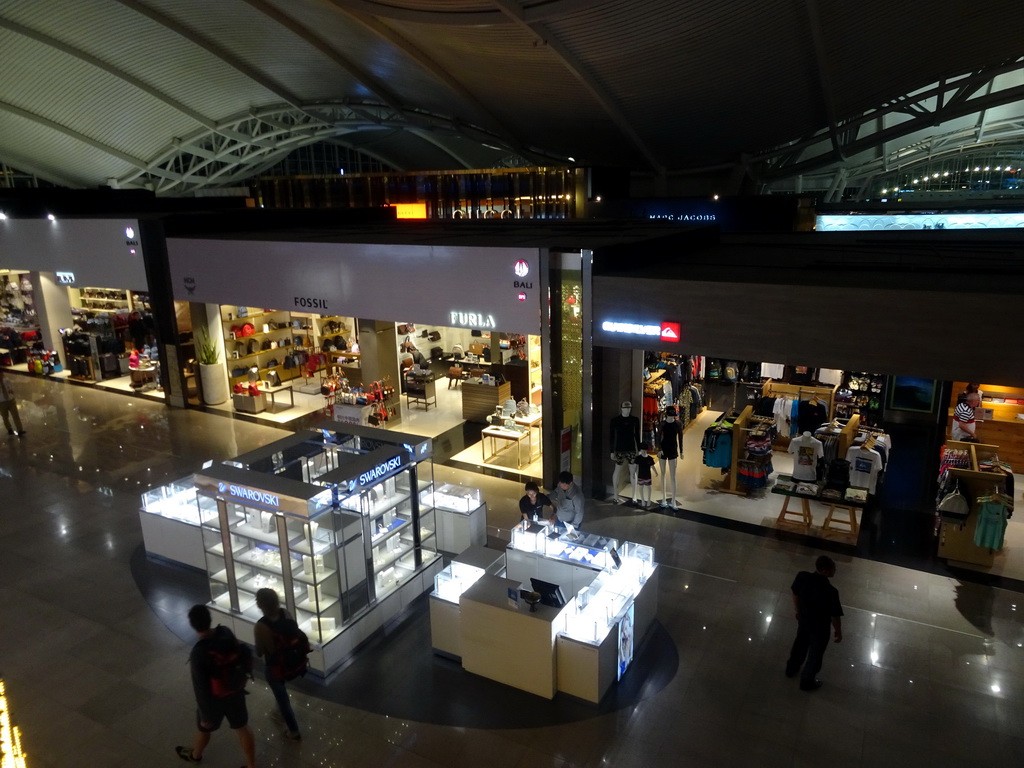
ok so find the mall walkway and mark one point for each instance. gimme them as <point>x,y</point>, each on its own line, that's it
<point>930,673</point>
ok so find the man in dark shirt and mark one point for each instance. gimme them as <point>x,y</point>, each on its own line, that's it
<point>817,606</point>
<point>211,711</point>
<point>533,502</point>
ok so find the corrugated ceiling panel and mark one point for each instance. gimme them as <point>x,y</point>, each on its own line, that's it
<point>68,159</point>
<point>411,82</point>
<point>91,101</point>
<point>524,84</point>
<point>149,51</point>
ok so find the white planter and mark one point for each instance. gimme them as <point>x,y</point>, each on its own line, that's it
<point>214,379</point>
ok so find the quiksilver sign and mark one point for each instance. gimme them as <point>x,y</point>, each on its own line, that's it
<point>381,470</point>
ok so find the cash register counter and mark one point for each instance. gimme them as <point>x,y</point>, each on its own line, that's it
<point>580,649</point>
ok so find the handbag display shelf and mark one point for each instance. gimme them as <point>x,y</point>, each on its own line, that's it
<point>271,351</point>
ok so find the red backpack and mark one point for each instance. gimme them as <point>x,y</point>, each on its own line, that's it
<point>289,659</point>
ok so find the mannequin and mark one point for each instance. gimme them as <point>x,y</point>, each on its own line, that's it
<point>624,439</point>
<point>670,438</point>
<point>644,464</point>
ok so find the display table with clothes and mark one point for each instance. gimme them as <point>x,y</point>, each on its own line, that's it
<point>852,499</point>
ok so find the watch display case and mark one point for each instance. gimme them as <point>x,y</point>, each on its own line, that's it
<point>170,518</point>
<point>461,516</point>
<point>450,583</point>
<point>578,548</point>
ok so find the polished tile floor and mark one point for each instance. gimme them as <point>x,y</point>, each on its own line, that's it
<point>930,673</point>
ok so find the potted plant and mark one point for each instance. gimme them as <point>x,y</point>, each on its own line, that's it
<point>212,375</point>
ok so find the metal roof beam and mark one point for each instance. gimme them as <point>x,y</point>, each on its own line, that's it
<point>72,133</point>
<point>824,80</point>
<point>597,91</point>
<point>374,84</point>
<point>410,49</point>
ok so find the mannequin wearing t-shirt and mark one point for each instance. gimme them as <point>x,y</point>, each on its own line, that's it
<point>806,450</point>
<point>670,440</point>
<point>624,439</point>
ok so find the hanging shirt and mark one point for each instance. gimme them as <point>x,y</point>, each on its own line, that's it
<point>811,414</point>
<point>991,525</point>
<point>864,467</point>
<point>780,410</point>
<point>806,451</point>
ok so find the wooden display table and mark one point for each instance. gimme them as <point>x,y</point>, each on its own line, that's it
<point>803,517</point>
<point>480,400</point>
<point>850,520</point>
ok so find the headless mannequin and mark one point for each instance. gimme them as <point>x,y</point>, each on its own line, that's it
<point>624,439</point>
<point>670,436</point>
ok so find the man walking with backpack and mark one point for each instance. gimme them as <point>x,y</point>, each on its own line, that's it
<point>220,667</point>
<point>284,646</point>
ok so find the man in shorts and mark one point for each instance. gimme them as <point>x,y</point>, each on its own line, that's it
<point>211,710</point>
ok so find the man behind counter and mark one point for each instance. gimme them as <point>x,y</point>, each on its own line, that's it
<point>532,505</point>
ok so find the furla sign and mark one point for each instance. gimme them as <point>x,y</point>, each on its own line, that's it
<point>472,319</point>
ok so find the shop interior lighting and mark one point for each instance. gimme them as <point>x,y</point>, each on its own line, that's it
<point>11,754</point>
<point>51,217</point>
<point>3,216</point>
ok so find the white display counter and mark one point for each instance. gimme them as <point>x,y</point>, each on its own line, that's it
<point>610,608</point>
<point>502,639</point>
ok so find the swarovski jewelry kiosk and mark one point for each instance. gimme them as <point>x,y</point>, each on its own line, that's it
<point>330,519</point>
<point>580,648</point>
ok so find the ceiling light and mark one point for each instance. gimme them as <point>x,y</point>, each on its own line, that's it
<point>3,216</point>
<point>51,217</point>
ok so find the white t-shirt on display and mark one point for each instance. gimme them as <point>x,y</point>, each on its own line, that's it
<point>806,450</point>
<point>864,467</point>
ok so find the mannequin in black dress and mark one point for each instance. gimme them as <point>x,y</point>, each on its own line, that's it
<point>624,439</point>
<point>670,441</point>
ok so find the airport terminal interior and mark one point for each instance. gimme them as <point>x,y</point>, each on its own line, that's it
<point>930,670</point>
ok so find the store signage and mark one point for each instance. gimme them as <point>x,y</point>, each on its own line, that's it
<point>381,470</point>
<point>66,278</point>
<point>308,302</point>
<point>683,216</point>
<point>249,494</point>
<point>472,319</point>
<point>665,331</point>
<point>522,268</point>
<point>129,233</point>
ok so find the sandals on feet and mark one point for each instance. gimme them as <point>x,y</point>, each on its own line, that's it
<point>185,753</point>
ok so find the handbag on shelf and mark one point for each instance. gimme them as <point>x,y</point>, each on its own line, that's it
<point>954,505</point>
<point>242,312</point>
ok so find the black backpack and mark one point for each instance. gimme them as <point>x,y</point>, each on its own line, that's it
<point>230,663</point>
<point>289,659</point>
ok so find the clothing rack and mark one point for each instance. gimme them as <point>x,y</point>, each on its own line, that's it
<point>731,482</point>
<point>956,540</point>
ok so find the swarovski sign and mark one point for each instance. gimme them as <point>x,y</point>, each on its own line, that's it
<point>250,494</point>
<point>381,470</point>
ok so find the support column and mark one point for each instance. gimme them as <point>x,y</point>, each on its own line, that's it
<point>53,309</point>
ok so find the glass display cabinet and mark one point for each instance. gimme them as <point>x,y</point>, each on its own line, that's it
<point>460,514</point>
<point>170,518</point>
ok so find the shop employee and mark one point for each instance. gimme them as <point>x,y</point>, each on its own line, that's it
<point>964,425</point>
<point>532,505</point>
